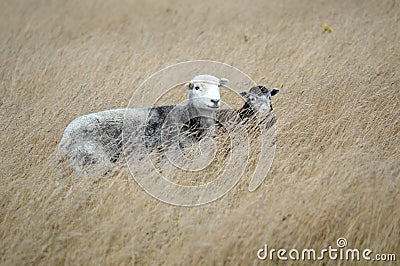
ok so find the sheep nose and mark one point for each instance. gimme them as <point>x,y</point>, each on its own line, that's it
<point>215,101</point>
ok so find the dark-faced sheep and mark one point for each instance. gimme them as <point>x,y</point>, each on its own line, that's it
<point>257,105</point>
<point>258,120</point>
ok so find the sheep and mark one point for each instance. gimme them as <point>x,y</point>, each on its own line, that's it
<point>95,140</point>
<point>258,120</point>
<point>257,105</point>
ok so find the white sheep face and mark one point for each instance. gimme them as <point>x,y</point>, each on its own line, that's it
<point>259,98</point>
<point>205,92</point>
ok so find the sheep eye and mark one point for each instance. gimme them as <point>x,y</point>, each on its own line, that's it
<point>197,88</point>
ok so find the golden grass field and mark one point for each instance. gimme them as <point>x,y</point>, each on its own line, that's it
<point>336,171</point>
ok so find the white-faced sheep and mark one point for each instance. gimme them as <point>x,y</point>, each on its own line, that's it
<point>96,139</point>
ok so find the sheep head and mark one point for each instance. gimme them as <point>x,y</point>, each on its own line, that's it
<point>205,92</point>
<point>259,98</point>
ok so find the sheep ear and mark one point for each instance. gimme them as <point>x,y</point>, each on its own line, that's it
<point>244,94</point>
<point>274,91</point>
<point>223,81</point>
<point>189,85</point>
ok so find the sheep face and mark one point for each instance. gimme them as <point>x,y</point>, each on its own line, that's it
<point>205,92</point>
<point>259,98</point>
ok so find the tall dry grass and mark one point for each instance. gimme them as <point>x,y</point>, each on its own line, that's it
<point>336,169</point>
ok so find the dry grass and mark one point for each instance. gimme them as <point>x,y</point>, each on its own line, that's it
<point>337,164</point>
